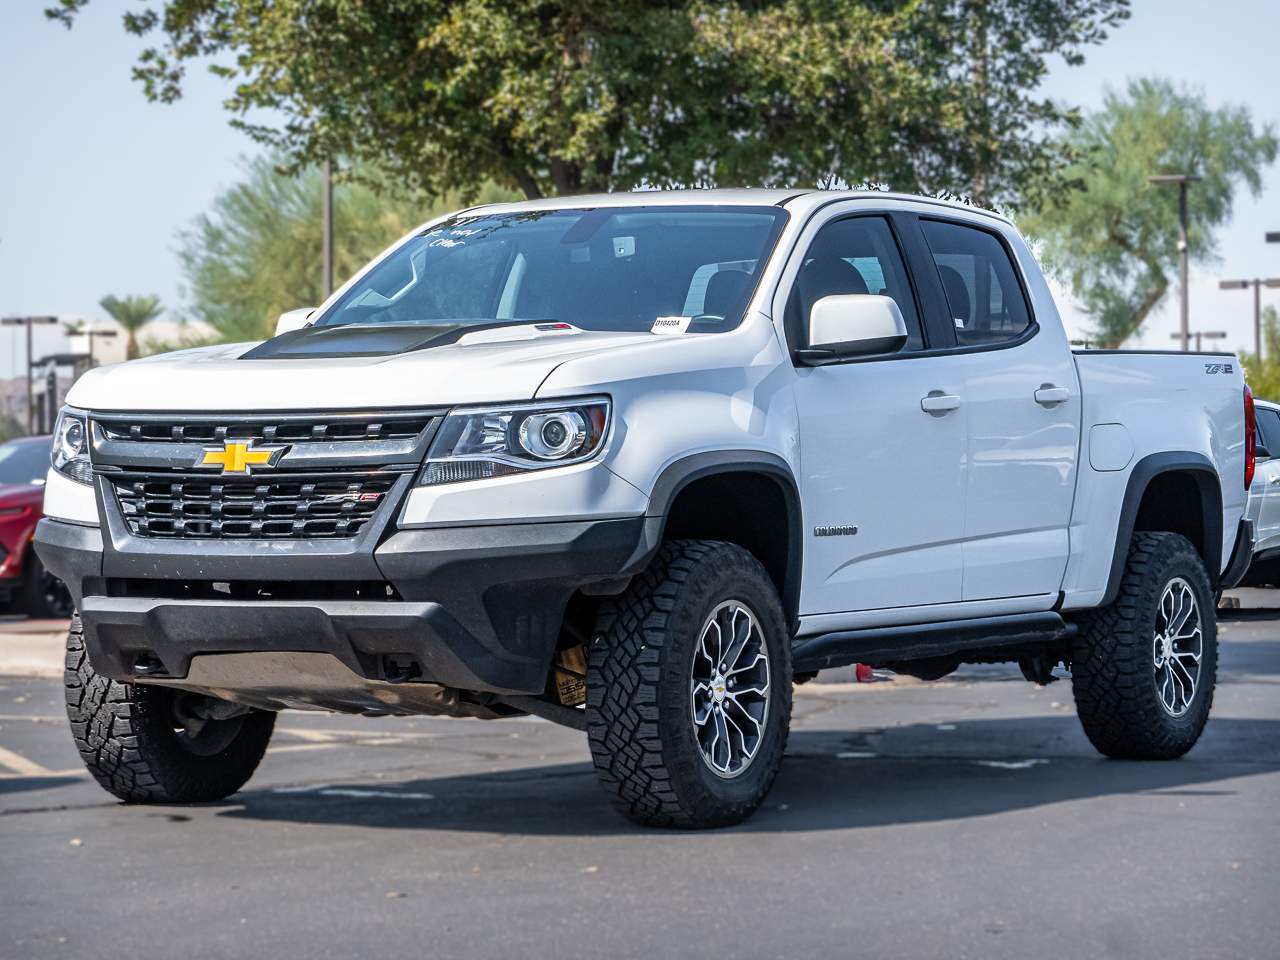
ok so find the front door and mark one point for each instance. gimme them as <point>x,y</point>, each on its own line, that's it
<point>882,478</point>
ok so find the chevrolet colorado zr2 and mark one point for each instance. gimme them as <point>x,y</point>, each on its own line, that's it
<point>637,464</point>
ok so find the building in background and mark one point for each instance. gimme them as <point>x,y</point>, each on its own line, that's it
<point>31,407</point>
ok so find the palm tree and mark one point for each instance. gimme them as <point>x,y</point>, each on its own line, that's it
<point>132,313</point>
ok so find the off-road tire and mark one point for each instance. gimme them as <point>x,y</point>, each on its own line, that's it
<point>1113,660</point>
<point>126,738</point>
<point>638,696</point>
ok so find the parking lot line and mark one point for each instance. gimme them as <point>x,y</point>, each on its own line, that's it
<point>313,736</point>
<point>21,765</point>
<point>295,747</point>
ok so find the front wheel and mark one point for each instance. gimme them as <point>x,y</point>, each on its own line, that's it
<point>1143,669</point>
<point>146,744</point>
<point>689,688</point>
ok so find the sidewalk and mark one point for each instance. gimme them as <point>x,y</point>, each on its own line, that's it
<point>32,648</point>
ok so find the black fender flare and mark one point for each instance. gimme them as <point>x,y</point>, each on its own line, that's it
<point>1201,469</point>
<point>680,473</point>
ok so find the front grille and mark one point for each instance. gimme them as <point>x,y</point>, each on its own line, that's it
<point>280,429</point>
<point>265,507</point>
<point>328,476</point>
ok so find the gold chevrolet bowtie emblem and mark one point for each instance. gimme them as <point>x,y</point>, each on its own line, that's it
<point>239,457</point>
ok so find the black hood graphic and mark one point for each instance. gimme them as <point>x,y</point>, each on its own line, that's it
<point>359,340</point>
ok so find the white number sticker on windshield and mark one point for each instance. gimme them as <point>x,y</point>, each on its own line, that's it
<point>670,326</point>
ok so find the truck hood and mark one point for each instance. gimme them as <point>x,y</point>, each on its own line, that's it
<point>480,366</point>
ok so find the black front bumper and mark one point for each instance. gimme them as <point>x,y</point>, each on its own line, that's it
<point>476,608</point>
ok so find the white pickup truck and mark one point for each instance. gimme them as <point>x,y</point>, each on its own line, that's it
<point>637,464</point>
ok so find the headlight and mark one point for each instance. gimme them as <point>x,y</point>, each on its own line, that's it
<point>70,455</point>
<point>479,442</point>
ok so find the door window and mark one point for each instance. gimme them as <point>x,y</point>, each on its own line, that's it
<point>853,256</point>
<point>981,286</point>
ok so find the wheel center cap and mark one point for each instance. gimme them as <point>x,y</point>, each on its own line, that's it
<point>1166,648</point>
<point>718,689</point>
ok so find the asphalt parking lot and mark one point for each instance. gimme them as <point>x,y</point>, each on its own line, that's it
<point>965,818</point>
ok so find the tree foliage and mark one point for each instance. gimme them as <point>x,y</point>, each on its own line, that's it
<point>1114,235</point>
<point>132,314</point>
<point>1262,373</point>
<point>562,97</point>
<point>258,252</point>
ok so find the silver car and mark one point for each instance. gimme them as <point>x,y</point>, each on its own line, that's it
<point>1264,499</point>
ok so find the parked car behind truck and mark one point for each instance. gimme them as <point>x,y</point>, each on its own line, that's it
<point>636,463</point>
<point>25,585</point>
<point>1264,499</point>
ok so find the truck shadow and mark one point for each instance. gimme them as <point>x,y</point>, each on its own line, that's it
<point>830,780</point>
<point>47,782</point>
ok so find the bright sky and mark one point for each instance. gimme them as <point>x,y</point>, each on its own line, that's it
<point>96,181</point>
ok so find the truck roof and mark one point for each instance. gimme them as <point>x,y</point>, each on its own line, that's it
<point>789,198</point>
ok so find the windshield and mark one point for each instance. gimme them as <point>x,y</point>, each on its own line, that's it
<point>24,461</point>
<point>614,268</point>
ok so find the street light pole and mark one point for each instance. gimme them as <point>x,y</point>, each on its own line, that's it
<point>28,322</point>
<point>328,228</point>
<point>1183,180</point>
<point>1257,284</point>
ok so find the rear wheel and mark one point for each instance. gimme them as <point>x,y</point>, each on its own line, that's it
<point>689,688</point>
<point>150,744</point>
<point>1144,668</point>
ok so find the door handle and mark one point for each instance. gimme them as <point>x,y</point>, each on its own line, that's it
<point>1275,479</point>
<point>1050,396</point>
<point>939,404</point>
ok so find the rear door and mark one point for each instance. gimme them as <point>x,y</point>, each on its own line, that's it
<point>881,478</point>
<point>1022,409</point>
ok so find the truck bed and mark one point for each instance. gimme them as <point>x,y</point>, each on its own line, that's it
<point>1137,405</point>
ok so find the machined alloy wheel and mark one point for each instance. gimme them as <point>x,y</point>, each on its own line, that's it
<point>729,688</point>
<point>1178,645</point>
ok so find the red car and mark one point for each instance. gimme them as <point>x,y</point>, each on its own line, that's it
<point>25,585</point>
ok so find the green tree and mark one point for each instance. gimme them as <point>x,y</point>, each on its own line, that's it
<point>1113,235</point>
<point>560,97</point>
<point>1263,373</point>
<point>132,314</point>
<point>258,252</point>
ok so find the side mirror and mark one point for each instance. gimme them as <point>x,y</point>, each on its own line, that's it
<point>1261,453</point>
<point>293,319</point>
<point>853,325</point>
